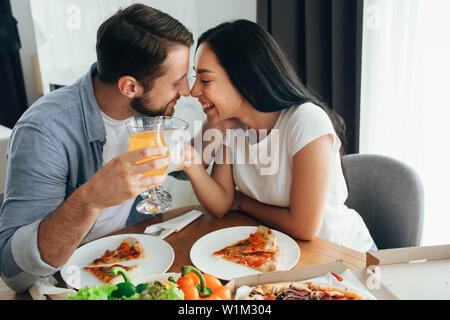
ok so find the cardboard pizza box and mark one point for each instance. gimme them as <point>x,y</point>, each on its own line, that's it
<point>305,273</point>
<point>415,273</point>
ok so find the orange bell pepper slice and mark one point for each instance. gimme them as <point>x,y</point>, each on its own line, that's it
<point>198,286</point>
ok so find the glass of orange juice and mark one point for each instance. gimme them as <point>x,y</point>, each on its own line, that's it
<point>153,132</point>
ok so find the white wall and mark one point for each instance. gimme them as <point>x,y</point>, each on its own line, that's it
<point>65,33</point>
<point>64,37</point>
<point>65,30</point>
<point>212,12</point>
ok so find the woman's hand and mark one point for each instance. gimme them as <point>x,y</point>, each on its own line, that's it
<point>239,197</point>
<point>191,158</point>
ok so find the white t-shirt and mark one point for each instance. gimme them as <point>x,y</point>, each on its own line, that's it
<point>113,218</point>
<point>266,176</point>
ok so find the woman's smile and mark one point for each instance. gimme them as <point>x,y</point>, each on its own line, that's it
<point>208,108</point>
<point>213,84</point>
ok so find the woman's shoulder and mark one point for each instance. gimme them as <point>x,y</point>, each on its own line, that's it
<point>305,115</point>
<point>307,109</point>
<point>305,123</point>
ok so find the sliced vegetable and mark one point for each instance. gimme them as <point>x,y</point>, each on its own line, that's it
<point>124,289</point>
<point>157,291</point>
<point>141,287</point>
<point>198,286</point>
<point>152,290</point>
<point>100,292</point>
<point>337,277</point>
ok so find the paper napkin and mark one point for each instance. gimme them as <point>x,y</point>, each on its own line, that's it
<point>173,225</point>
<point>47,287</point>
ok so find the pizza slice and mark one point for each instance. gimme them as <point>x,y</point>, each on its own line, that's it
<point>100,273</point>
<point>300,291</point>
<point>263,239</point>
<point>258,251</point>
<point>129,249</point>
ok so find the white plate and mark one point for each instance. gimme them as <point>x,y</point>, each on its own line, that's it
<point>160,256</point>
<point>203,248</point>
<point>162,277</point>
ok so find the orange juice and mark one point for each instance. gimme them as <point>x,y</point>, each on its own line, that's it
<point>146,139</point>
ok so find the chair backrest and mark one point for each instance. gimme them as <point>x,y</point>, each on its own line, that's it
<point>388,195</point>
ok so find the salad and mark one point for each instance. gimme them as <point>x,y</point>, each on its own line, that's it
<point>152,290</point>
<point>192,285</point>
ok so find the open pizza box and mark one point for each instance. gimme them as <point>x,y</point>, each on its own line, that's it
<point>415,273</point>
<point>317,273</point>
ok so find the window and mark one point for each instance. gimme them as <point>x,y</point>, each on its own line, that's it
<point>405,111</point>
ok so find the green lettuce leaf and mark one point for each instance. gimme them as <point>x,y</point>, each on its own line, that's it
<point>156,291</point>
<point>100,292</point>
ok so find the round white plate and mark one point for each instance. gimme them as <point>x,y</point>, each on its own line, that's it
<point>162,277</point>
<point>160,256</point>
<point>203,248</point>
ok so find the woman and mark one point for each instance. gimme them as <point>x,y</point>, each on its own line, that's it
<point>242,74</point>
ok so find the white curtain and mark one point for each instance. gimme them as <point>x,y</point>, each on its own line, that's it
<point>405,106</point>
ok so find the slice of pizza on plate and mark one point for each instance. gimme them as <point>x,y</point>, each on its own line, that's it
<point>258,251</point>
<point>129,249</point>
<point>100,273</point>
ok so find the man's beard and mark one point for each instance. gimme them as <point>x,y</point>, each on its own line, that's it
<point>141,105</point>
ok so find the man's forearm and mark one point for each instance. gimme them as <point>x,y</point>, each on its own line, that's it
<point>61,233</point>
<point>114,183</point>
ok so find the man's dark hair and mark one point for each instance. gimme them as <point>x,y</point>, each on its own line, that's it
<point>135,42</point>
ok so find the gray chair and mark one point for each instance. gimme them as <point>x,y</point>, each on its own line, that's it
<point>388,195</point>
<point>1,199</point>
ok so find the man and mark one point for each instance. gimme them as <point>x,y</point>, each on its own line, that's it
<point>70,178</point>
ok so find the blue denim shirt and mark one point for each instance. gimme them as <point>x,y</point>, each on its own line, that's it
<point>55,147</point>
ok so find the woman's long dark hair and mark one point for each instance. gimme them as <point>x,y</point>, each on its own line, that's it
<point>260,71</point>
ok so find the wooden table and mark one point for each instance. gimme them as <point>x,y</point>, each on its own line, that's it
<point>312,252</point>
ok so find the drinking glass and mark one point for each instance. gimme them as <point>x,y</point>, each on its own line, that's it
<point>153,132</point>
